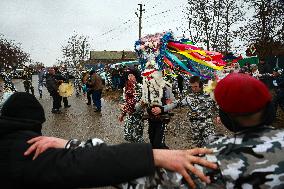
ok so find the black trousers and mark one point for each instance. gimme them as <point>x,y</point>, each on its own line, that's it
<point>156,133</point>
<point>56,101</point>
<point>65,101</point>
<point>180,88</point>
<point>28,88</point>
<point>89,96</point>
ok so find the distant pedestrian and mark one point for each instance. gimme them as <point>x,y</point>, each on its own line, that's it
<point>41,78</point>
<point>52,87</point>
<point>180,83</point>
<point>265,71</point>
<point>89,89</point>
<point>97,86</point>
<point>27,77</point>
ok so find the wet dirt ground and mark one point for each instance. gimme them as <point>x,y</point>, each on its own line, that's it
<point>81,122</point>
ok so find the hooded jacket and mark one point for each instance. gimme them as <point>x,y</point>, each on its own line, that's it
<point>21,119</point>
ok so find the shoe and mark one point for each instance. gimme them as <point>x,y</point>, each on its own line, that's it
<point>67,106</point>
<point>55,111</point>
<point>98,110</point>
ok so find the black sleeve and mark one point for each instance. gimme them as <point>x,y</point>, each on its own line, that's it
<point>91,167</point>
<point>268,68</point>
<point>280,82</point>
<point>60,77</point>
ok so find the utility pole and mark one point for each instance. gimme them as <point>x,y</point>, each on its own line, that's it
<point>140,18</point>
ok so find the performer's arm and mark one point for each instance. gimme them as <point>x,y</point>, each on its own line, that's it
<point>171,102</point>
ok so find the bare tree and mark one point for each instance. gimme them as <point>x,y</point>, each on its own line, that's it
<point>11,54</point>
<point>36,65</point>
<point>11,57</point>
<point>211,22</point>
<point>266,27</point>
<point>233,15</point>
<point>76,51</point>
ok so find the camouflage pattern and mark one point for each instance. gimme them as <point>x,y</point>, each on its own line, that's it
<point>78,81</point>
<point>163,179</point>
<point>202,110</point>
<point>133,128</point>
<point>74,143</point>
<point>27,77</point>
<point>41,81</point>
<point>8,84</point>
<point>250,159</point>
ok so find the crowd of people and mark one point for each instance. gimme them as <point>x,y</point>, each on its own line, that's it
<point>244,100</point>
<point>273,78</point>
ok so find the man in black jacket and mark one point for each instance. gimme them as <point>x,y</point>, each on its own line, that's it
<point>265,70</point>
<point>53,80</point>
<point>21,120</point>
<point>52,87</point>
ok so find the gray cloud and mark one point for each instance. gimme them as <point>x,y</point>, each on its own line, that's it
<point>42,26</point>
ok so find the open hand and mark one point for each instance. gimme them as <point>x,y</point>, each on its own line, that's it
<point>42,143</point>
<point>182,161</point>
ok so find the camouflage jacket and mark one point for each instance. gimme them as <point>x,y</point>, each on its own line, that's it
<point>200,106</point>
<point>250,159</point>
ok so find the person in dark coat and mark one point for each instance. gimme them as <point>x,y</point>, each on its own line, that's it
<point>52,87</point>
<point>21,120</point>
<point>97,88</point>
<point>53,81</point>
<point>180,83</point>
<point>88,82</point>
<point>265,71</point>
<point>137,74</point>
<point>63,77</point>
<point>278,84</point>
<point>28,77</point>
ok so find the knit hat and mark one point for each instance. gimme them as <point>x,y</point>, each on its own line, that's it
<point>23,105</point>
<point>241,94</point>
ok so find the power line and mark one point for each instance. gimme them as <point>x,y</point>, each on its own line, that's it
<point>163,12</point>
<point>122,27</point>
<point>147,17</point>
<point>117,27</point>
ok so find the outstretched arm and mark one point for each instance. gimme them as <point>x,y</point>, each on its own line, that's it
<point>181,161</point>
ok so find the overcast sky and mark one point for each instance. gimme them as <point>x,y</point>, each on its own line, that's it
<point>43,26</point>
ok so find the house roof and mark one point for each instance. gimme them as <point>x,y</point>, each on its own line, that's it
<point>278,52</point>
<point>112,55</point>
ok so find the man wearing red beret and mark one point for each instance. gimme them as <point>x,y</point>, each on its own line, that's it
<point>253,156</point>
